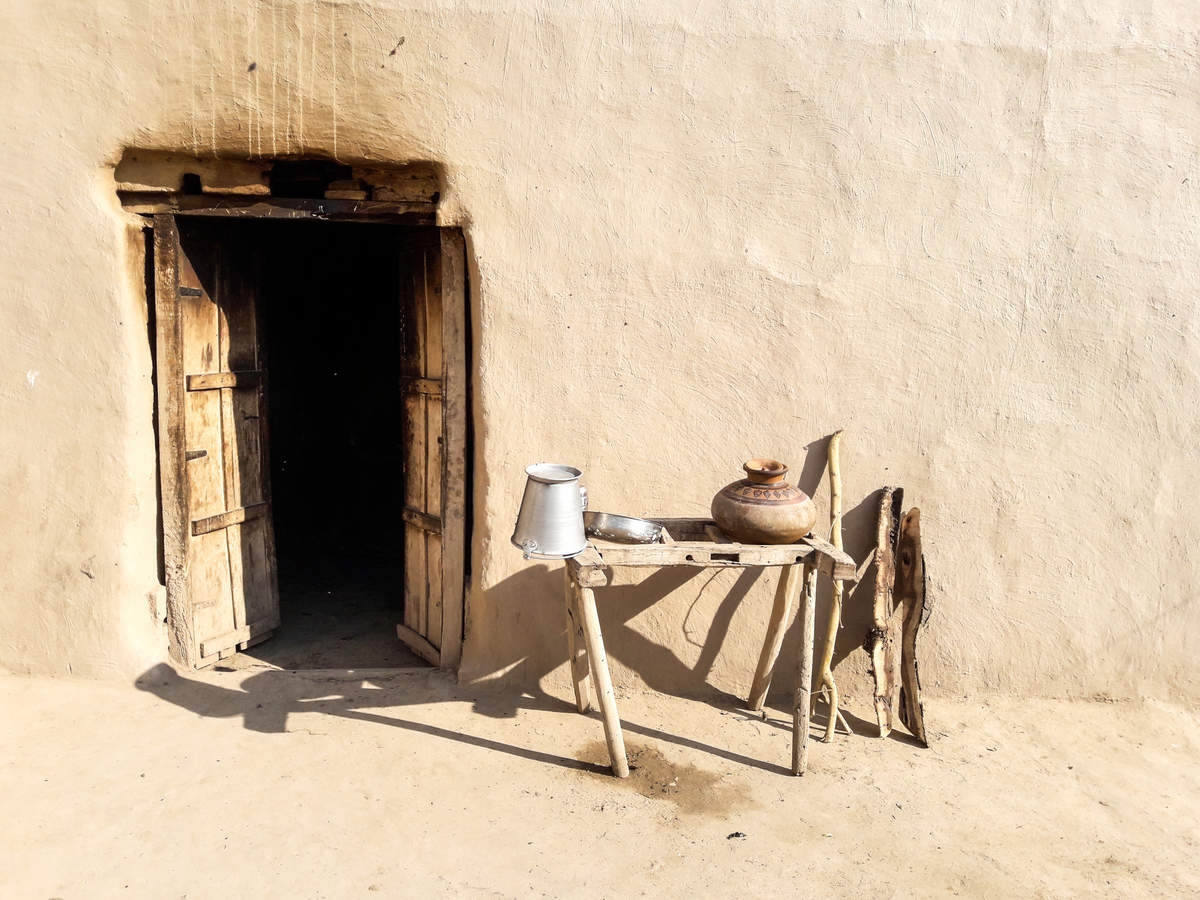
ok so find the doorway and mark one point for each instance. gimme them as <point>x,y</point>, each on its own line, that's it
<point>338,339</point>
<point>312,438</point>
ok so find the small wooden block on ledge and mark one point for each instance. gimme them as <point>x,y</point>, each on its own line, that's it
<point>588,568</point>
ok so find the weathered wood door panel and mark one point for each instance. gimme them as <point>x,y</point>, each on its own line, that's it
<point>435,449</point>
<point>219,543</point>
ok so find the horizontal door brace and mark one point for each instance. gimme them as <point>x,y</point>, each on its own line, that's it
<point>414,385</point>
<point>239,635</point>
<point>419,644</point>
<point>421,520</point>
<point>212,380</point>
<point>225,519</point>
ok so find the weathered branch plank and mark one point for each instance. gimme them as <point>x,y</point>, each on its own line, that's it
<point>909,594</point>
<point>883,639</point>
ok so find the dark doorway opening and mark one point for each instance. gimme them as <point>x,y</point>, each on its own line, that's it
<point>337,342</point>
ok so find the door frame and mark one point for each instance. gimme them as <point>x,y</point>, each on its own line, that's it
<point>165,207</point>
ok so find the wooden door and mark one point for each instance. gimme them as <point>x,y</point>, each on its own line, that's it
<point>435,470</point>
<point>218,535</point>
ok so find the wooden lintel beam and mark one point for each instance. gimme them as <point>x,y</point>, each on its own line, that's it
<point>225,519</point>
<point>256,206</point>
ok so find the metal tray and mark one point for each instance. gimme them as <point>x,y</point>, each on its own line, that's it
<point>621,529</point>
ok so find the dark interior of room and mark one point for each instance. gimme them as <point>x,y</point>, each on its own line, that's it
<point>335,337</point>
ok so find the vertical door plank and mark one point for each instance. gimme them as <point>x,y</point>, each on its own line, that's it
<point>415,580</point>
<point>208,571</point>
<point>245,315</point>
<point>432,358</point>
<point>202,409</point>
<point>172,462</point>
<point>433,506</point>
<point>453,294</point>
<point>420,323</point>
<point>241,431</point>
<point>230,300</point>
<point>251,544</point>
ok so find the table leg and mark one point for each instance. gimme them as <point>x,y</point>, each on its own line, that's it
<point>576,652</point>
<point>802,705</point>
<point>585,601</point>
<point>781,612</point>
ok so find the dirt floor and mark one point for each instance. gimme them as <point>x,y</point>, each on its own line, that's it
<point>335,620</point>
<point>266,783</point>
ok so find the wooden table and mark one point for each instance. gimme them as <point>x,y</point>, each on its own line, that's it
<point>699,543</point>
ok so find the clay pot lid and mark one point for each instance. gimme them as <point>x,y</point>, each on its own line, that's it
<point>765,471</point>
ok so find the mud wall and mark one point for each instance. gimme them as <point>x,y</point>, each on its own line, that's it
<point>698,232</point>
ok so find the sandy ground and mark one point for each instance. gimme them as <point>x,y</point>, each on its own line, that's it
<point>264,783</point>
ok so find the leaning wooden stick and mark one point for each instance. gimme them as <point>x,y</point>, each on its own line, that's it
<point>785,598</point>
<point>802,700</point>
<point>910,598</point>
<point>576,647</point>
<point>883,639</point>
<point>585,603</point>
<point>826,686</point>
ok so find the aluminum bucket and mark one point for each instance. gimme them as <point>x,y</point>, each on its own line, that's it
<point>550,523</point>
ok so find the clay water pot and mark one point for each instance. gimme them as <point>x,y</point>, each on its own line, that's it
<point>762,508</point>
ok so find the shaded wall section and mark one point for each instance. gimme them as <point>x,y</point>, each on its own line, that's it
<point>698,233</point>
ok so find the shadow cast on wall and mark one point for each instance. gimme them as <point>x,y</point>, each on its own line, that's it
<point>530,602</point>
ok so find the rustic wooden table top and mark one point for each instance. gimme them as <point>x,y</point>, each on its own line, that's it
<point>699,542</point>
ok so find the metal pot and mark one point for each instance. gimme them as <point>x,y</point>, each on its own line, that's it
<point>550,523</point>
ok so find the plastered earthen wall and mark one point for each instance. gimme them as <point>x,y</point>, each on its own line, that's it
<point>965,232</point>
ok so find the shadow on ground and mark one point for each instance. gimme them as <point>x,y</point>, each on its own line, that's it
<point>528,621</point>
<point>265,700</point>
